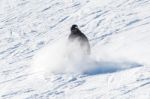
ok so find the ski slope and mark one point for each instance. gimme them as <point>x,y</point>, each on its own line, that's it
<point>119,34</point>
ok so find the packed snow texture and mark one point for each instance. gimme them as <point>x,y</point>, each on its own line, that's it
<point>35,61</point>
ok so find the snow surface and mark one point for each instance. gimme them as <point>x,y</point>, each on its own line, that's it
<point>33,33</point>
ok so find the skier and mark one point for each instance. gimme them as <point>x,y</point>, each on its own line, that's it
<point>77,36</point>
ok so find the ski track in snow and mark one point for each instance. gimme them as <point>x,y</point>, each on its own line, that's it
<point>112,26</point>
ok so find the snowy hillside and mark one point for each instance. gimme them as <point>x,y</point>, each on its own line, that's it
<point>119,34</point>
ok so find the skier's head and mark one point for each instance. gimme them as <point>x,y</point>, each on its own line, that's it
<point>74,28</point>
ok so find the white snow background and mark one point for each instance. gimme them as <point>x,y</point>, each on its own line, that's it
<point>34,61</point>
